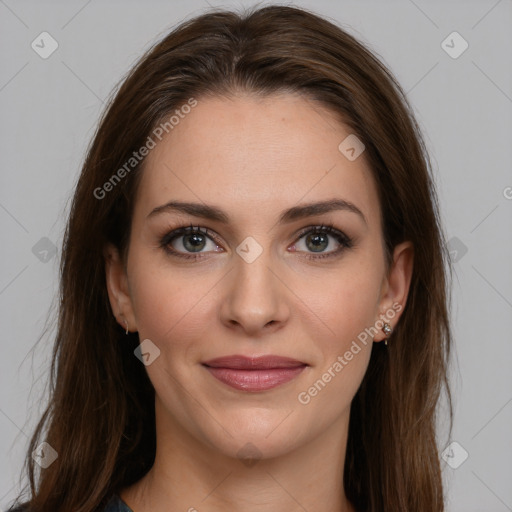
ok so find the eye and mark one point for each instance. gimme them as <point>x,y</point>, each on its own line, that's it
<point>318,239</point>
<point>188,242</point>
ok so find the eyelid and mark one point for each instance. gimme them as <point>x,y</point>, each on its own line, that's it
<point>187,230</point>
<point>322,228</point>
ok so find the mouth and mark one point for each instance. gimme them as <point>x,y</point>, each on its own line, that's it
<point>254,373</point>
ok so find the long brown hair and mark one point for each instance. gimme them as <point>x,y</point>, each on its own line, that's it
<point>100,418</point>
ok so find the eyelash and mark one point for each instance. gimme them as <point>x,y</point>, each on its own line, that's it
<point>344,241</point>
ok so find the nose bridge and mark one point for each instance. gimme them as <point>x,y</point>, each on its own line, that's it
<point>255,298</point>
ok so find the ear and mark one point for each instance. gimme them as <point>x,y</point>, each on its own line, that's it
<point>395,286</point>
<point>117,287</point>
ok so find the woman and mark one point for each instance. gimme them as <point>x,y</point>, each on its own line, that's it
<point>254,283</point>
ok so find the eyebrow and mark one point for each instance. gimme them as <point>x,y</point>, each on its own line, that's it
<point>295,213</point>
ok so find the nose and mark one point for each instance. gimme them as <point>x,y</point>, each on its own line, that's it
<point>255,300</point>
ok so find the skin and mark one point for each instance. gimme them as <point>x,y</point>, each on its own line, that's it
<point>253,158</point>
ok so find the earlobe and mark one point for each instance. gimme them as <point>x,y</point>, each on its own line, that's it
<point>397,285</point>
<point>117,288</point>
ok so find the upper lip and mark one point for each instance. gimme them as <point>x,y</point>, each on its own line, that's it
<point>240,362</point>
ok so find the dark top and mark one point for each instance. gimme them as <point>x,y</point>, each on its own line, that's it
<point>116,504</point>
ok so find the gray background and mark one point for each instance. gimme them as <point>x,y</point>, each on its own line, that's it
<point>50,108</point>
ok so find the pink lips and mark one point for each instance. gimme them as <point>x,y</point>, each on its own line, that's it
<point>254,373</point>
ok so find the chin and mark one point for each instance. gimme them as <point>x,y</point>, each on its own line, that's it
<point>263,438</point>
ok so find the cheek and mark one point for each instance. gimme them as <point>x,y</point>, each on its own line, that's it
<point>346,306</point>
<point>345,300</point>
<point>169,303</point>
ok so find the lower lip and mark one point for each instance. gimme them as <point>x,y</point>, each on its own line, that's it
<point>255,380</point>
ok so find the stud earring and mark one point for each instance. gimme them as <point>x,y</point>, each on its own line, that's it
<point>387,330</point>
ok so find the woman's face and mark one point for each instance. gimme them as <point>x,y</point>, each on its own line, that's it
<point>257,283</point>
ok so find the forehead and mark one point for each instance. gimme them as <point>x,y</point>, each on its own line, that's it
<point>255,156</point>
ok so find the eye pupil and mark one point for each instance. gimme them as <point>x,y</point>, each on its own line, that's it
<point>319,240</point>
<point>196,241</point>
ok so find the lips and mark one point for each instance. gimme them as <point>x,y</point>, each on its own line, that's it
<point>254,373</point>
<point>238,362</point>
